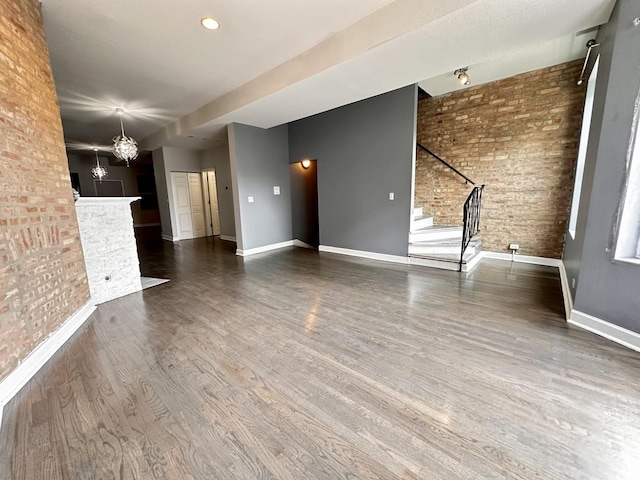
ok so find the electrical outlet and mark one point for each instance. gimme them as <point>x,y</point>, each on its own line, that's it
<point>276,190</point>
<point>250,199</point>
<point>392,196</point>
<point>514,246</point>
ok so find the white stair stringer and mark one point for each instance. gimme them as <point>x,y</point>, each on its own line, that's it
<point>438,249</point>
<point>447,262</point>
<point>436,233</point>
<point>444,253</point>
<point>420,222</point>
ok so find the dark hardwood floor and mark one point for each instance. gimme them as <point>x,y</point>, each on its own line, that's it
<point>299,365</point>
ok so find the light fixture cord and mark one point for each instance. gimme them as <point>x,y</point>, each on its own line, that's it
<point>121,126</point>
<point>97,159</point>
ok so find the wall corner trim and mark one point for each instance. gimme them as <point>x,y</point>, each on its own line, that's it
<point>605,329</point>
<point>227,238</point>
<point>169,238</point>
<point>41,354</point>
<point>265,248</point>
<point>566,291</point>
<point>363,254</point>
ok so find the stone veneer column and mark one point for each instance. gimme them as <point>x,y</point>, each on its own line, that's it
<point>109,245</point>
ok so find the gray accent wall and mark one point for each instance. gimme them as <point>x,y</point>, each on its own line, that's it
<point>218,159</point>
<point>163,196</point>
<point>260,161</point>
<point>606,289</point>
<point>165,161</point>
<point>364,151</point>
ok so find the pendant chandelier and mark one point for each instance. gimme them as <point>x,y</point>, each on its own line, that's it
<point>124,148</point>
<point>98,171</point>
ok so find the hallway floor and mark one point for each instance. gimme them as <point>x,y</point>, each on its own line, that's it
<point>299,365</point>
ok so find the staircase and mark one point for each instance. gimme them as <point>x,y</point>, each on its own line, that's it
<point>439,245</point>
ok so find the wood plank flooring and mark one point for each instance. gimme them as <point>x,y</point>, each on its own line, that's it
<point>299,365</point>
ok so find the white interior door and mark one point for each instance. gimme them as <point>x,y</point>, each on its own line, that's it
<point>182,205</point>
<point>197,205</point>
<point>213,199</point>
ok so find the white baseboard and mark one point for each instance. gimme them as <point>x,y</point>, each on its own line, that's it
<point>605,329</point>
<point>566,291</point>
<point>169,238</point>
<point>301,244</point>
<point>265,248</point>
<point>363,254</point>
<point>43,352</point>
<point>425,262</point>
<point>227,238</point>
<point>549,262</point>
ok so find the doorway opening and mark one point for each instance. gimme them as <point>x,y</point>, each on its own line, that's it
<point>304,204</point>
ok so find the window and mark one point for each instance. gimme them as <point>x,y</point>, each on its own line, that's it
<point>582,151</point>
<point>628,239</point>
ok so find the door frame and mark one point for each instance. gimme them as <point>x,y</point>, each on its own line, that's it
<point>207,200</point>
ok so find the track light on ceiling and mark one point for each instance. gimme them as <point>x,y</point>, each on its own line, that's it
<point>124,148</point>
<point>591,44</point>
<point>98,171</point>
<point>463,76</point>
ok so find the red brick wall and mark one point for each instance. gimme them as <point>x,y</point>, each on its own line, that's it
<point>42,275</point>
<point>519,136</point>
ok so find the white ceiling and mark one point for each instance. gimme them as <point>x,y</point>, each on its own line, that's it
<point>273,62</point>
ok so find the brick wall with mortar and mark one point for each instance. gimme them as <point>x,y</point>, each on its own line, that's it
<point>42,273</point>
<point>519,136</point>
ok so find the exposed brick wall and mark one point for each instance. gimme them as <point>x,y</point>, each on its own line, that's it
<point>42,274</point>
<point>520,137</point>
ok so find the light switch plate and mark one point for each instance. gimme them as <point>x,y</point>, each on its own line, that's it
<point>392,196</point>
<point>250,199</point>
<point>276,190</point>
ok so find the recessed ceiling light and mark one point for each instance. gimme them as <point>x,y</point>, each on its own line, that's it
<point>210,23</point>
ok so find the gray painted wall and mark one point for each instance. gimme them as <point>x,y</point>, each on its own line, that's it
<point>161,188</point>
<point>260,161</point>
<point>165,161</point>
<point>364,151</point>
<point>605,289</point>
<point>304,203</point>
<point>81,164</point>
<point>218,159</point>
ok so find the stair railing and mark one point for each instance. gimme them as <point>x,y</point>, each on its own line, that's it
<point>466,179</point>
<point>471,209</point>
<point>471,219</point>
